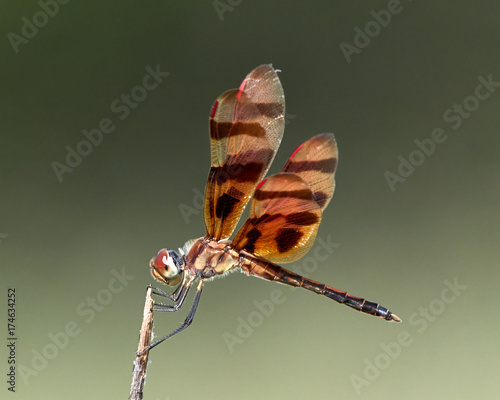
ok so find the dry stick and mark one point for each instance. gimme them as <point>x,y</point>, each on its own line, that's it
<point>141,361</point>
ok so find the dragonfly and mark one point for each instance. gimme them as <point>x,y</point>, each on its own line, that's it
<point>246,127</point>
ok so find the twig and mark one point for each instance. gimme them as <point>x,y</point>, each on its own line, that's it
<point>141,361</point>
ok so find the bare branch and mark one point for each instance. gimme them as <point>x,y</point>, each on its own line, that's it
<point>141,361</point>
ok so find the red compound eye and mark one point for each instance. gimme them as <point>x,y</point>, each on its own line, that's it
<point>161,259</point>
<point>164,268</point>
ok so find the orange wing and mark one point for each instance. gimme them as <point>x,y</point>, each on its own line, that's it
<point>246,127</point>
<point>283,221</point>
<point>315,161</point>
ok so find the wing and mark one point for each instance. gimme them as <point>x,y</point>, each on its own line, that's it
<point>246,127</point>
<point>283,222</point>
<point>315,161</point>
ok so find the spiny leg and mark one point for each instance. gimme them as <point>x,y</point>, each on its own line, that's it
<point>177,292</point>
<point>187,321</point>
<point>178,300</point>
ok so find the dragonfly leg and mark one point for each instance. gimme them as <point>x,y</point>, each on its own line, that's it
<point>177,292</point>
<point>178,298</point>
<point>187,321</point>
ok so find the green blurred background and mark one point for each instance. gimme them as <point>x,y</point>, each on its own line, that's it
<point>61,241</point>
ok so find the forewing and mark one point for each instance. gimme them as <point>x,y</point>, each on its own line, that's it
<point>315,161</point>
<point>246,127</point>
<point>283,221</point>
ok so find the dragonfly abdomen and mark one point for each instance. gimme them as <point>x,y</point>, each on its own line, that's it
<point>272,272</point>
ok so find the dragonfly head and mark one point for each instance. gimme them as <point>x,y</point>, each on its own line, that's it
<point>167,267</point>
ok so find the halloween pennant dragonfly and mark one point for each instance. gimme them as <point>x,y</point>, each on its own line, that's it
<point>246,127</point>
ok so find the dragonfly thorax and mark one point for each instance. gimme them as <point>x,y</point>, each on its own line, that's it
<point>208,258</point>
